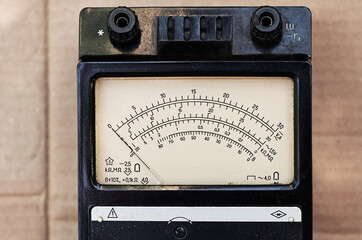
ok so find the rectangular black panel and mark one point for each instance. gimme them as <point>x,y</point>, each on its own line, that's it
<point>196,231</point>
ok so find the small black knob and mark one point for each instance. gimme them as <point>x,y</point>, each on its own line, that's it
<point>123,25</point>
<point>266,25</point>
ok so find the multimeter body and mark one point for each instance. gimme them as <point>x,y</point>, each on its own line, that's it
<point>150,46</point>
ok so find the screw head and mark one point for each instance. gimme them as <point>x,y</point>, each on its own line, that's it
<point>180,232</point>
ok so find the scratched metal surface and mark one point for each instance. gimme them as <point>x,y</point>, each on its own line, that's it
<point>38,147</point>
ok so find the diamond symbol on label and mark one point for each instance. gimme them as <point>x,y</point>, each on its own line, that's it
<point>278,214</point>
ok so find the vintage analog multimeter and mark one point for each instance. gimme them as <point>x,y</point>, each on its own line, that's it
<point>195,123</point>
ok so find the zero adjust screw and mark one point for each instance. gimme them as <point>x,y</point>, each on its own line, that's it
<point>180,232</point>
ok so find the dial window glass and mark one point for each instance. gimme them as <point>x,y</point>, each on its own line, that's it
<point>194,131</point>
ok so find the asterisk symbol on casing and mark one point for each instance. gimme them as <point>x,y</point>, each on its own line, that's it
<point>100,32</point>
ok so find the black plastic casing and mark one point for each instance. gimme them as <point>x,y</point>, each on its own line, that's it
<point>100,58</point>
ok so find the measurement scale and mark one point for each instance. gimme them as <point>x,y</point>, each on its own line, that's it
<point>195,123</point>
<point>215,131</point>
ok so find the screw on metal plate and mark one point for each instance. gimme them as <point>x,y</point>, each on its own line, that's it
<point>180,232</point>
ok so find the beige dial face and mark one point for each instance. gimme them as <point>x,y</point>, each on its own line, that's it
<point>194,131</point>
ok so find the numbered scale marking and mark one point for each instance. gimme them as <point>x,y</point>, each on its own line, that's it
<point>194,131</point>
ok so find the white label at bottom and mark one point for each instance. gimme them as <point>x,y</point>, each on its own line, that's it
<point>196,214</point>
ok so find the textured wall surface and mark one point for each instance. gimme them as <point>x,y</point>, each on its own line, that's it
<point>38,145</point>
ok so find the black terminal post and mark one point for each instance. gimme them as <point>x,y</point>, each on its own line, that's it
<point>266,26</point>
<point>123,26</point>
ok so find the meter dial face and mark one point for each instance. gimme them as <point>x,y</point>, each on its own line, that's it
<point>194,131</point>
